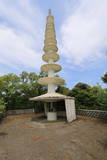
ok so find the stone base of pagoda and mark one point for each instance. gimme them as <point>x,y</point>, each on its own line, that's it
<point>54,97</point>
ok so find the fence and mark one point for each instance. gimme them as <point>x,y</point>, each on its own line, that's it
<point>20,111</point>
<point>92,113</point>
<point>82,112</point>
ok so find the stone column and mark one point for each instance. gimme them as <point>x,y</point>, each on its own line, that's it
<point>45,108</point>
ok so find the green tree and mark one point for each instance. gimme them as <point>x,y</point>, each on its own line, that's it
<point>2,108</point>
<point>102,99</point>
<point>9,84</point>
<point>2,105</point>
<point>63,90</point>
<point>24,77</point>
<point>84,95</point>
<point>16,90</point>
<point>104,78</point>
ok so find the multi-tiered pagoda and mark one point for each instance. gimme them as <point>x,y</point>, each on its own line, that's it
<point>51,81</point>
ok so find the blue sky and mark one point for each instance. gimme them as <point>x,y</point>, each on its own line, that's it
<point>81,29</point>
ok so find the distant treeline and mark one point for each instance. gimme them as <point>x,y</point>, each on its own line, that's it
<point>15,92</point>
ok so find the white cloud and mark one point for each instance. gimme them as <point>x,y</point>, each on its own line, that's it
<point>21,34</point>
<point>84,33</point>
<point>16,50</point>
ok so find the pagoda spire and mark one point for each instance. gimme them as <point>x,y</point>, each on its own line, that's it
<point>50,41</point>
<point>50,56</point>
<point>49,12</point>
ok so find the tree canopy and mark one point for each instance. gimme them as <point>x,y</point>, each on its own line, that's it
<point>16,90</point>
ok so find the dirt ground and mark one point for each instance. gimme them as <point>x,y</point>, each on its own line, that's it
<point>25,137</point>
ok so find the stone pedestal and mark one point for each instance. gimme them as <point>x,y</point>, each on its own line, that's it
<point>51,116</point>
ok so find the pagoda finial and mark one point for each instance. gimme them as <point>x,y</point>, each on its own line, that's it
<point>50,36</point>
<point>49,12</point>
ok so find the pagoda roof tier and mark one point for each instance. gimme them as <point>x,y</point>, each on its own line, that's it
<point>48,56</point>
<point>51,47</point>
<point>47,67</point>
<point>50,40</point>
<point>51,80</point>
<point>50,97</point>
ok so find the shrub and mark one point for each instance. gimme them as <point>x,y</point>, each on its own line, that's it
<point>2,107</point>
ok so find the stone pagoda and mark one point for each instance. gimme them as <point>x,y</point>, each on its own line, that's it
<point>50,56</point>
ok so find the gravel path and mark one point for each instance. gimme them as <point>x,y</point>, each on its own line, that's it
<point>24,137</point>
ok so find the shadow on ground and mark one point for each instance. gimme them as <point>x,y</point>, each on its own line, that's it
<point>43,119</point>
<point>3,134</point>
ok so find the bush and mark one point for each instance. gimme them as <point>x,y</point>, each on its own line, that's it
<point>2,108</point>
